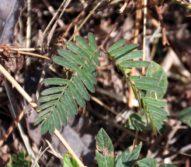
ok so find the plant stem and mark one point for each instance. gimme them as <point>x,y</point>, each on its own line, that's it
<point>64,142</point>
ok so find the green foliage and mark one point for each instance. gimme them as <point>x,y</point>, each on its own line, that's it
<point>185,116</point>
<point>149,89</point>
<point>127,158</point>
<point>147,162</point>
<point>136,122</point>
<point>61,99</point>
<point>68,161</point>
<point>105,154</point>
<point>105,150</point>
<point>18,160</point>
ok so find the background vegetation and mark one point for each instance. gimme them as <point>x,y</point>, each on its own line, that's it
<point>113,78</point>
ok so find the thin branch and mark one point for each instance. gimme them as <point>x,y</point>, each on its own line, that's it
<point>17,86</point>
<point>13,113</point>
<point>51,33</point>
<point>11,128</point>
<point>34,55</point>
<point>52,21</point>
<point>23,51</point>
<point>52,11</point>
<point>53,151</point>
<point>39,156</point>
<point>86,19</point>
<point>64,142</point>
<point>144,31</point>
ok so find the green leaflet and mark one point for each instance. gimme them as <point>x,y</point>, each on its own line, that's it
<point>105,150</point>
<point>116,45</point>
<point>129,56</point>
<point>85,48</point>
<point>52,90</point>
<point>48,98</point>
<point>65,63</point>
<point>185,116</point>
<point>68,161</point>
<point>105,154</point>
<point>68,55</point>
<point>55,81</point>
<point>76,95</point>
<point>146,83</point>
<point>147,162</point>
<point>154,102</point>
<point>118,53</point>
<point>46,105</point>
<point>136,122</point>
<point>133,64</point>
<point>81,88</point>
<point>103,141</point>
<point>92,42</point>
<point>155,112</point>
<point>127,158</point>
<point>154,70</point>
<point>61,99</point>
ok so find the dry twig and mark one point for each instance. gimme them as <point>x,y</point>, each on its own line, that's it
<point>72,153</point>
